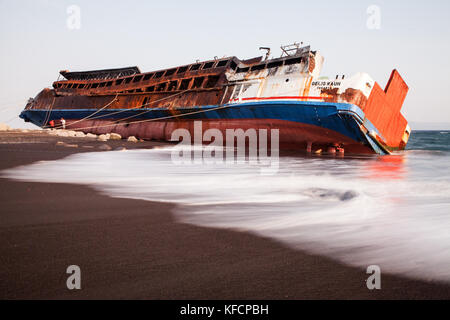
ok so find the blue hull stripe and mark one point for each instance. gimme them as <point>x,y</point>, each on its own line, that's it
<point>341,117</point>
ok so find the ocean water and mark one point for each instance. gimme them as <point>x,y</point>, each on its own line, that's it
<point>391,211</point>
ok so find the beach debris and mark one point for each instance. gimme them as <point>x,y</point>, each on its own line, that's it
<point>63,144</point>
<point>62,133</point>
<point>105,147</point>
<point>328,194</point>
<point>115,136</point>
<point>80,134</point>
<point>91,135</point>
<point>102,137</point>
<point>132,139</point>
<point>69,133</point>
<point>4,127</point>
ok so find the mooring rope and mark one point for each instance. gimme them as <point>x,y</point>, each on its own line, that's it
<point>49,111</point>
<point>120,111</point>
<point>102,108</point>
<point>138,107</point>
<point>155,119</point>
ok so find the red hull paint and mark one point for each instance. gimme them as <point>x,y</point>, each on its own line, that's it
<point>383,110</point>
<point>292,135</point>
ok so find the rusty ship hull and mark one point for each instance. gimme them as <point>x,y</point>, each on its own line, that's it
<point>312,113</point>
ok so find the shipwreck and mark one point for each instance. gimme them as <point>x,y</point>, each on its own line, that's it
<point>352,114</point>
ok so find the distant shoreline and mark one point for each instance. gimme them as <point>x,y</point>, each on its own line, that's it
<point>430,130</point>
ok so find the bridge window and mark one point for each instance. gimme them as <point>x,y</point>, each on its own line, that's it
<point>185,84</point>
<point>258,67</point>
<point>222,63</point>
<point>173,85</point>
<point>292,61</point>
<point>182,69</point>
<point>198,82</point>
<point>239,70</point>
<point>147,76</point>
<point>150,89</point>
<point>161,86</point>
<point>170,72</point>
<point>275,64</point>
<point>208,65</point>
<point>137,78</point>
<point>118,81</point>
<point>159,74</point>
<point>195,67</point>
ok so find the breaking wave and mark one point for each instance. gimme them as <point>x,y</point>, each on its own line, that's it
<point>391,211</point>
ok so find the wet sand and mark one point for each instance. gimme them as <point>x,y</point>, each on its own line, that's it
<point>134,249</point>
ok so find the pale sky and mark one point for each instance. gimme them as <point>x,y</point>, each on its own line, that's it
<point>36,41</point>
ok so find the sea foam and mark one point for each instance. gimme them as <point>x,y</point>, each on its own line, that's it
<point>391,211</point>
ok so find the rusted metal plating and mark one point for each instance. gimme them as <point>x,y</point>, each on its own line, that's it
<point>204,83</point>
<point>294,76</point>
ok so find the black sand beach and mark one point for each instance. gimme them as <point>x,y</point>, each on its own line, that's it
<point>133,249</point>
